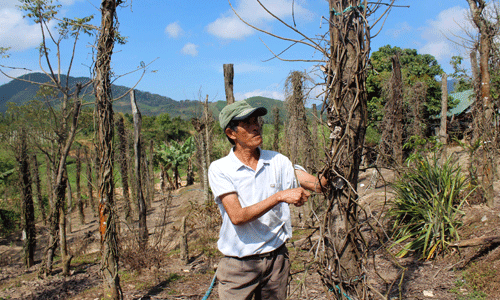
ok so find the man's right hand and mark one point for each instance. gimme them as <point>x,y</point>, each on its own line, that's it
<point>297,196</point>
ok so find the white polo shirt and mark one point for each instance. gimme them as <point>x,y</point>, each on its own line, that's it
<point>274,173</point>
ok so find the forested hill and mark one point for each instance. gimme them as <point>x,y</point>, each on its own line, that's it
<point>20,92</point>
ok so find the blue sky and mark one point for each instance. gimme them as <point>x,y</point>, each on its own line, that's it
<point>189,41</point>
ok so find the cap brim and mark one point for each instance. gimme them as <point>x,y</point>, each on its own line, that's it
<point>259,111</point>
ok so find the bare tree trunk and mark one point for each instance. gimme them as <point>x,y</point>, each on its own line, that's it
<point>397,95</point>
<point>443,136</point>
<point>315,136</point>
<point>143,229</point>
<point>133,180</point>
<point>69,210</point>
<point>487,31</point>
<point>276,121</point>
<point>228,82</point>
<point>144,176</point>
<point>65,257</point>
<point>79,201</point>
<point>342,261</point>
<point>27,208</point>
<point>59,198</point>
<point>206,144</point>
<point>190,174</point>
<point>49,181</point>
<point>105,182</point>
<point>90,185</point>
<point>298,130</point>
<point>151,174</point>
<point>123,160</point>
<point>208,122</point>
<point>38,188</point>
<point>184,242</point>
<point>391,141</point>
<point>59,187</point>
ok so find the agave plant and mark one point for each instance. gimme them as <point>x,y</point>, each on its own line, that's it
<point>428,200</point>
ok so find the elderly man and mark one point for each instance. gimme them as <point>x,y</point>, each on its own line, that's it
<point>253,188</point>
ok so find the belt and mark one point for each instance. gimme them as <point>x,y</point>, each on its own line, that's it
<point>273,253</point>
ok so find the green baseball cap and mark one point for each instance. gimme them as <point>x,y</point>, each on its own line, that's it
<point>239,110</point>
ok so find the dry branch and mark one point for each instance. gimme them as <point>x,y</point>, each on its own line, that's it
<point>484,240</point>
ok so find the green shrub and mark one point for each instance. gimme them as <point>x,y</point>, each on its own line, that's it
<point>9,221</point>
<point>372,137</point>
<point>428,198</point>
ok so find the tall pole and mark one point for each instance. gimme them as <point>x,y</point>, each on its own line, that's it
<point>228,82</point>
<point>443,136</point>
<point>104,117</point>
<point>141,204</point>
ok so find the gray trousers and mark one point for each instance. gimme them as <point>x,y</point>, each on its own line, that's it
<point>262,276</point>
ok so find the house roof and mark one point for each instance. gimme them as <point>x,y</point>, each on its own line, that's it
<point>465,100</point>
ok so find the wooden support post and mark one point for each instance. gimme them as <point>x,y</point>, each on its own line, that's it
<point>443,136</point>
<point>184,242</point>
<point>228,82</point>
<point>141,204</point>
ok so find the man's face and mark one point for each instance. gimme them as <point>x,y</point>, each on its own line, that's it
<point>248,133</point>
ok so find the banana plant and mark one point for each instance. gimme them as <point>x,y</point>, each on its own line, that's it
<point>172,156</point>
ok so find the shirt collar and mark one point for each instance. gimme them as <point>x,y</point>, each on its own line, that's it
<point>236,164</point>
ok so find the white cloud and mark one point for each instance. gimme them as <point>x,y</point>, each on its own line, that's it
<point>449,24</point>
<point>190,49</point>
<point>402,28</point>
<point>439,49</point>
<point>174,30</point>
<point>15,32</point>
<point>21,33</point>
<point>268,94</point>
<point>228,26</point>
<point>9,3</point>
<point>68,2</point>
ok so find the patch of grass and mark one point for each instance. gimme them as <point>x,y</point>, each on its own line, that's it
<point>482,279</point>
<point>89,258</point>
<point>126,275</point>
<point>174,277</point>
<point>143,286</point>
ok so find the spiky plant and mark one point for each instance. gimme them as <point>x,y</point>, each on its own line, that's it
<point>428,200</point>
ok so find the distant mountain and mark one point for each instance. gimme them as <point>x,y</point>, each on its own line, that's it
<point>20,92</point>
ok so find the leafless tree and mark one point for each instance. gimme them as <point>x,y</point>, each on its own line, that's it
<point>276,122</point>
<point>38,188</point>
<point>123,161</point>
<point>228,82</point>
<point>141,204</point>
<point>297,125</point>
<point>391,140</point>
<point>104,117</point>
<point>66,117</point>
<point>27,207</point>
<point>345,50</point>
<point>79,201</point>
<point>488,29</point>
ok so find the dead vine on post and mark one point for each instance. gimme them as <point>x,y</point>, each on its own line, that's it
<point>342,250</point>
